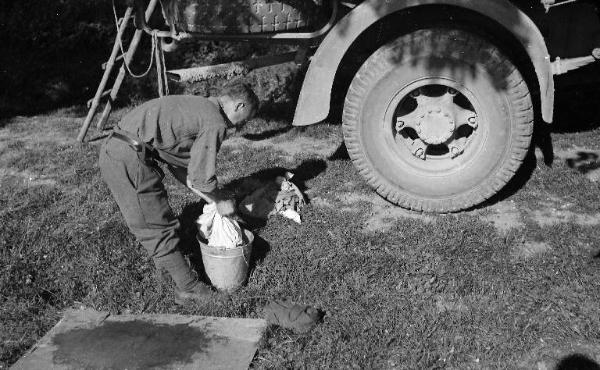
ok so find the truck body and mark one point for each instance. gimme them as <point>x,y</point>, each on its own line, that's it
<point>438,97</point>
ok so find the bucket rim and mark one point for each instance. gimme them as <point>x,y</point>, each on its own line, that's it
<point>248,240</point>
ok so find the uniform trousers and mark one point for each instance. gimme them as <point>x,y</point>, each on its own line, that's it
<point>136,183</point>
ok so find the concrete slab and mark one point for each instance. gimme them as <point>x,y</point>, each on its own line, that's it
<point>87,339</point>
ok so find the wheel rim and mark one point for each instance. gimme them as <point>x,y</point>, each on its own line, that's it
<point>435,126</point>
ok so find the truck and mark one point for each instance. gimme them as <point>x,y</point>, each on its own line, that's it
<point>438,98</point>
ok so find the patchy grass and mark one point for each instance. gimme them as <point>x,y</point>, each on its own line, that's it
<point>510,285</point>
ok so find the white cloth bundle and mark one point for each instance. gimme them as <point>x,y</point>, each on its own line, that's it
<point>219,231</point>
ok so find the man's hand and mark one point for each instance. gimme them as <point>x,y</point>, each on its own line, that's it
<point>226,207</point>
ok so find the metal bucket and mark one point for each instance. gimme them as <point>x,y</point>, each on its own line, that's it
<point>227,268</point>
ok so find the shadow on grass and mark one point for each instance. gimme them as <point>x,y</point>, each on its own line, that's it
<point>4,121</point>
<point>341,153</point>
<point>260,250</point>
<point>542,140</point>
<point>278,111</point>
<point>584,162</point>
<point>515,184</point>
<point>577,362</point>
<point>246,185</point>
<point>307,170</point>
<point>267,134</point>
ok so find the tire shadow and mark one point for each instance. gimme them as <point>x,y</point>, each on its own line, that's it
<point>577,362</point>
<point>515,184</point>
<point>341,153</point>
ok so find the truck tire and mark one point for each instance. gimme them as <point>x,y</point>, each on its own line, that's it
<point>245,16</point>
<point>438,120</point>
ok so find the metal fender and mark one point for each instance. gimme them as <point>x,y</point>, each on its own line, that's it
<point>315,96</point>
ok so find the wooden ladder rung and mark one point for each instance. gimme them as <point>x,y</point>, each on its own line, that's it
<point>120,57</point>
<point>116,54</point>
<point>89,102</point>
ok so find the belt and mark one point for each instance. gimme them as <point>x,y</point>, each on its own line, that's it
<point>136,144</point>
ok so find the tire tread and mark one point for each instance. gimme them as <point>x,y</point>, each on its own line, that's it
<point>475,50</point>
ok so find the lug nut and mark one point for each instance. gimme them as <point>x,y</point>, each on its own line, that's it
<point>472,120</point>
<point>420,153</point>
<point>399,124</point>
<point>454,150</point>
<point>451,91</point>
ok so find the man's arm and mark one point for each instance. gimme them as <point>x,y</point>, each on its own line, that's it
<point>225,206</point>
<point>202,179</point>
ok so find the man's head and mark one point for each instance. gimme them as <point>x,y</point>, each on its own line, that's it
<point>239,103</point>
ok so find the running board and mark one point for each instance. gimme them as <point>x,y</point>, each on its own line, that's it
<point>229,70</point>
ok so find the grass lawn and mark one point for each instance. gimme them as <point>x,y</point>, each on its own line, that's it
<point>514,284</point>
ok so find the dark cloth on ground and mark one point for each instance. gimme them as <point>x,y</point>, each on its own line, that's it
<point>299,318</point>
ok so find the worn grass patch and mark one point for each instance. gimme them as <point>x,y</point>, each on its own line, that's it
<point>511,285</point>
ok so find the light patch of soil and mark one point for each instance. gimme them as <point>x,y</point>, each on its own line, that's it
<point>556,211</point>
<point>349,186</point>
<point>530,249</point>
<point>382,215</point>
<point>28,177</point>
<point>321,202</point>
<point>549,217</point>
<point>505,216</point>
<point>299,145</point>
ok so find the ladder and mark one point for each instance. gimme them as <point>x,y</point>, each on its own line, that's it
<point>124,57</point>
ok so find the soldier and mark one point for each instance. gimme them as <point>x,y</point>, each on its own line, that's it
<point>185,133</point>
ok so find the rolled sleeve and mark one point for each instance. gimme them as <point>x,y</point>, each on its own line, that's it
<point>203,159</point>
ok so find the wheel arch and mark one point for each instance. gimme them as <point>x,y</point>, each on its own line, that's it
<point>315,98</point>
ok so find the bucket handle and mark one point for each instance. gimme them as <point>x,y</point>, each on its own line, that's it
<point>245,259</point>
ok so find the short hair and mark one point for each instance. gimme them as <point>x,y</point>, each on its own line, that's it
<point>243,92</point>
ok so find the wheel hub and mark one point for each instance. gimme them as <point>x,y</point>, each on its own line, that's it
<point>435,126</point>
<point>436,121</point>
